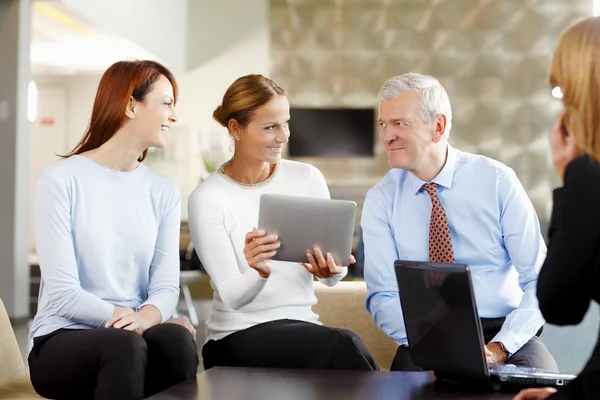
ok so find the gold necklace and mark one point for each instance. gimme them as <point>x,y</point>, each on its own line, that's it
<point>230,179</point>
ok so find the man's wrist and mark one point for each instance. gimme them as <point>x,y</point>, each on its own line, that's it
<point>503,349</point>
<point>508,353</point>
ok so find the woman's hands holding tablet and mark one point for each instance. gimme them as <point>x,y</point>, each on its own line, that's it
<point>260,248</point>
<point>323,266</point>
<point>258,251</point>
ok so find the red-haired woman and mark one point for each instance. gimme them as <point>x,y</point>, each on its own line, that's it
<point>107,236</point>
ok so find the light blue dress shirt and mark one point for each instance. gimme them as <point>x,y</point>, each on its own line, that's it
<point>494,230</point>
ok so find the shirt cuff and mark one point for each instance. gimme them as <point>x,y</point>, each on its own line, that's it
<point>255,275</point>
<point>164,303</point>
<point>511,343</point>
<point>92,311</point>
<point>332,281</point>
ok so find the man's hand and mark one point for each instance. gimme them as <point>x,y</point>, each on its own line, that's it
<point>495,353</point>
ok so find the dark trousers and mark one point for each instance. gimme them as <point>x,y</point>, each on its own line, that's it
<point>111,364</point>
<point>533,353</point>
<point>290,344</point>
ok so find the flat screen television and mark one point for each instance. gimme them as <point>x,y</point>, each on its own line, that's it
<point>332,132</point>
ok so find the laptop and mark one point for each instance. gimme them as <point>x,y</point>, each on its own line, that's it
<point>305,222</point>
<point>444,330</point>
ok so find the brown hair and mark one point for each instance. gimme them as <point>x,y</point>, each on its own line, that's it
<point>243,97</point>
<point>122,80</point>
<point>575,70</point>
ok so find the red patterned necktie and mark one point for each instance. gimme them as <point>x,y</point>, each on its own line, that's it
<point>440,242</point>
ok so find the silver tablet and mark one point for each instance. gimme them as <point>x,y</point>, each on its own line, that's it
<point>303,223</point>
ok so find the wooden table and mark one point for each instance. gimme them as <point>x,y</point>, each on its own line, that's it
<point>267,384</point>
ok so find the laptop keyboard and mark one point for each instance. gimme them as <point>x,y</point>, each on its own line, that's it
<point>512,369</point>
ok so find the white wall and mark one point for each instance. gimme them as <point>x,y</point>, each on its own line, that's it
<point>68,101</point>
<point>217,27</point>
<point>80,92</point>
<point>225,47</point>
<point>227,39</point>
<point>202,89</point>
<point>77,94</point>
<point>159,26</point>
<point>48,140</point>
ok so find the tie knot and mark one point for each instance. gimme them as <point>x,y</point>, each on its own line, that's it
<point>431,188</point>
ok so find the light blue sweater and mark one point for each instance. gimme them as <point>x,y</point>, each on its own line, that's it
<point>104,238</point>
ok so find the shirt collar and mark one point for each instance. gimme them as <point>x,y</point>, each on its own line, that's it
<point>444,178</point>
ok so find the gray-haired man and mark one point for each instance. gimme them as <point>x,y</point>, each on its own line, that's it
<point>444,205</point>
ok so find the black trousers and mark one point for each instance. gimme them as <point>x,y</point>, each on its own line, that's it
<point>290,344</point>
<point>533,353</point>
<point>111,364</point>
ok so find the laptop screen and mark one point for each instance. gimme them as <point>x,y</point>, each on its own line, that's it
<point>442,325</point>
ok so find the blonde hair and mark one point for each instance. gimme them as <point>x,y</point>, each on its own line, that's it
<point>576,72</point>
<point>243,97</point>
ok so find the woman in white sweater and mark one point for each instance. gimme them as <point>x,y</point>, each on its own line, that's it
<point>262,313</point>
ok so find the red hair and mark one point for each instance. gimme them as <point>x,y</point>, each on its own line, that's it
<point>120,82</point>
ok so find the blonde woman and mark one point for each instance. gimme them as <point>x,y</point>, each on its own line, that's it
<point>262,314</point>
<point>569,279</point>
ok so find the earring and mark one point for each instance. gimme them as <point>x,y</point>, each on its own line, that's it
<point>237,138</point>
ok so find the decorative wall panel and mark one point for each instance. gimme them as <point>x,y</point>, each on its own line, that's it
<point>492,56</point>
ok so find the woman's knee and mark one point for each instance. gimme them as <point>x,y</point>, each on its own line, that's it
<point>175,343</point>
<point>352,352</point>
<point>167,335</point>
<point>348,338</point>
<point>78,363</point>
<point>124,344</point>
<point>208,355</point>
